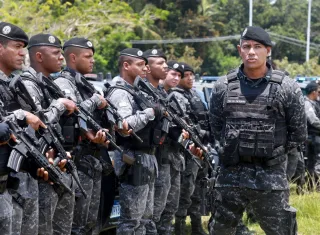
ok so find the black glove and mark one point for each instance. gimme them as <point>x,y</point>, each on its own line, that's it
<point>158,111</point>
<point>5,132</point>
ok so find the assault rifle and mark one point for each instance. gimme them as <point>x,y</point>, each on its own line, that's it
<point>25,148</point>
<point>173,113</point>
<point>112,112</point>
<point>114,117</point>
<point>52,134</point>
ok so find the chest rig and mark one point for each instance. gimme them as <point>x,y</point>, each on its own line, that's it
<point>254,120</point>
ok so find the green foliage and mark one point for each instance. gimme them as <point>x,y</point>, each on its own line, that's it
<point>111,24</point>
<point>306,69</point>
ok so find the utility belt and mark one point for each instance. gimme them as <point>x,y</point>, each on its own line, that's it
<point>137,174</point>
<point>263,161</point>
<point>150,150</point>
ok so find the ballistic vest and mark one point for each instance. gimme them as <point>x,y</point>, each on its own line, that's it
<point>254,122</point>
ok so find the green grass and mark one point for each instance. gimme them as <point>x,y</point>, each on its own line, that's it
<point>308,214</point>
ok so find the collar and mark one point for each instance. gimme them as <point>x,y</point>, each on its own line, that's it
<point>254,82</point>
<point>3,76</point>
<point>71,71</point>
<point>31,71</point>
<point>120,81</point>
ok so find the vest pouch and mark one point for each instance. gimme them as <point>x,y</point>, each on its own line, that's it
<point>138,173</point>
<point>156,136</point>
<point>247,143</point>
<point>256,143</point>
<point>229,153</point>
<point>265,144</point>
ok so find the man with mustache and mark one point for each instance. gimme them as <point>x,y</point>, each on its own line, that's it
<point>257,116</point>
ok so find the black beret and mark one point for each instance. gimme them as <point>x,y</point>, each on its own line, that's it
<point>174,65</point>
<point>186,67</point>
<point>154,53</point>
<point>44,40</point>
<point>13,32</point>
<point>79,42</point>
<point>257,34</point>
<point>133,52</point>
<point>312,86</point>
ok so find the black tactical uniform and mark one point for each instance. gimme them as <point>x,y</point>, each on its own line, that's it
<point>256,122</point>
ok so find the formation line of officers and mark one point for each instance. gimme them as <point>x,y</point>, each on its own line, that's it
<point>256,117</point>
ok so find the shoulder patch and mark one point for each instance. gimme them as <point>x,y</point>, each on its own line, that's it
<point>301,100</point>
<point>67,91</point>
<point>123,104</point>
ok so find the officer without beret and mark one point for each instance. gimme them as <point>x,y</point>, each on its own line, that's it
<point>154,53</point>
<point>257,34</point>
<point>78,42</point>
<point>312,86</point>
<point>133,52</point>
<point>174,65</point>
<point>13,32</point>
<point>44,40</point>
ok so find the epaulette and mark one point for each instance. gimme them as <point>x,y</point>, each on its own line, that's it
<point>277,76</point>
<point>232,75</point>
<point>177,89</point>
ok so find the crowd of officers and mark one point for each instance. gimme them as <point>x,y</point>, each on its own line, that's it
<point>256,117</point>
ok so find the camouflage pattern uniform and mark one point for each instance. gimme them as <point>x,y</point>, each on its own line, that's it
<point>244,180</point>
<point>190,199</point>
<point>89,167</point>
<point>136,199</point>
<point>51,205</point>
<point>313,143</point>
<point>12,213</point>
<point>167,184</point>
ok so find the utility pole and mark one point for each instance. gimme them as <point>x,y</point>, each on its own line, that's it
<point>250,12</point>
<point>308,31</point>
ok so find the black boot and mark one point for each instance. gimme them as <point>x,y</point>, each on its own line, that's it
<point>180,225</point>
<point>196,226</point>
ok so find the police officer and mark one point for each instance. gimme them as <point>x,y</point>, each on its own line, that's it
<point>190,183</point>
<point>257,116</point>
<point>313,148</point>
<point>79,54</point>
<point>175,157</point>
<point>12,43</point>
<point>157,71</point>
<point>46,58</point>
<point>137,177</point>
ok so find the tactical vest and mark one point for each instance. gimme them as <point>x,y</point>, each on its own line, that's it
<point>10,104</point>
<point>151,134</point>
<point>198,113</point>
<point>254,123</point>
<point>47,98</point>
<point>85,90</point>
